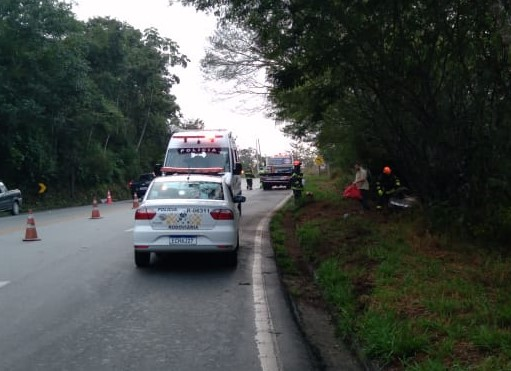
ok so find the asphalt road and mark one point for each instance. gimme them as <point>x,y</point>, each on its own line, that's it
<point>75,301</point>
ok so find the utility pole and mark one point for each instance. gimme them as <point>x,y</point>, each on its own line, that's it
<point>258,154</point>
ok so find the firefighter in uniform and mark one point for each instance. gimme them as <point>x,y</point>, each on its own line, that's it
<point>386,184</point>
<point>297,182</point>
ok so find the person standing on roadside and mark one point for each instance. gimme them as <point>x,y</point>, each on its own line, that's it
<point>249,176</point>
<point>386,185</point>
<point>297,182</point>
<point>362,184</point>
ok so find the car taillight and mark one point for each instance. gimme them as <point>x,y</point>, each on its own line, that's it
<point>222,214</point>
<point>144,213</point>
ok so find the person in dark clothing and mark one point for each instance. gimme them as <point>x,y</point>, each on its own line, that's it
<point>249,176</point>
<point>297,182</point>
<point>386,184</point>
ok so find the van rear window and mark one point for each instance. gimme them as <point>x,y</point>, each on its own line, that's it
<point>186,190</point>
<point>198,158</point>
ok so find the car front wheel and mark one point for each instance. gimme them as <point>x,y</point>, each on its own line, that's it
<point>142,259</point>
<point>15,208</point>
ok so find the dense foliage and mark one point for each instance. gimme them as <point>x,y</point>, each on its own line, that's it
<point>81,104</point>
<point>423,86</point>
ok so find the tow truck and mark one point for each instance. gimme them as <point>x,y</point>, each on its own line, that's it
<point>277,172</point>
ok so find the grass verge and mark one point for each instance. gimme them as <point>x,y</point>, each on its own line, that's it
<point>413,301</point>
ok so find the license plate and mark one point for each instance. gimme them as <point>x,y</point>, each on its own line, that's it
<point>143,188</point>
<point>182,240</point>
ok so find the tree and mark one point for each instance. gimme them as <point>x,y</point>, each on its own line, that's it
<point>233,57</point>
<point>132,72</point>
<point>248,158</point>
<point>192,124</point>
<point>44,80</point>
<point>304,153</point>
<point>422,86</point>
<point>81,104</point>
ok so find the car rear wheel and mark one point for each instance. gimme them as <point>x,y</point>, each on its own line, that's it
<point>15,208</point>
<point>142,259</point>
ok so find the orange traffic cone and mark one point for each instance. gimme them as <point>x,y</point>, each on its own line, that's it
<point>135,201</point>
<point>109,198</point>
<point>31,232</point>
<point>95,210</point>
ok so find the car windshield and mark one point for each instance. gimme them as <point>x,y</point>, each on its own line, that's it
<point>198,158</point>
<point>186,190</point>
<point>276,161</point>
<point>283,169</point>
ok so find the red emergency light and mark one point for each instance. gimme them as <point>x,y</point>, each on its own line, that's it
<point>210,138</point>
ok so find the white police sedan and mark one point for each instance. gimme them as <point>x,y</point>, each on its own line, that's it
<point>187,213</point>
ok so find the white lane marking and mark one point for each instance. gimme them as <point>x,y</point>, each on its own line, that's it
<point>265,335</point>
<point>128,230</point>
<point>4,283</point>
<point>266,338</point>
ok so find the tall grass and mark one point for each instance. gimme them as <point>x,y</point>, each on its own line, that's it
<point>408,297</point>
<point>282,257</point>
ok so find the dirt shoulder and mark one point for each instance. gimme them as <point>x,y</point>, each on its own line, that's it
<point>312,311</point>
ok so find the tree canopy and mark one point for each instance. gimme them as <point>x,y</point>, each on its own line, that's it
<point>422,86</point>
<point>81,103</point>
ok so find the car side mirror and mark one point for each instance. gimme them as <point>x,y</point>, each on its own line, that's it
<point>237,168</point>
<point>239,199</point>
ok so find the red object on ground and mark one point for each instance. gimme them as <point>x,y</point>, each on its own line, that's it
<point>95,210</point>
<point>352,191</point>
<point>31,232</point>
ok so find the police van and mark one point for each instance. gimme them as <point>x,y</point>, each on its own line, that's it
<point>204,152</point>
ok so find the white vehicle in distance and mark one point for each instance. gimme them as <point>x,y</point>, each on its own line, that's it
<point>187,213</point>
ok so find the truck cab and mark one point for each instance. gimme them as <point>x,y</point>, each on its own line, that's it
<point>277,172</point>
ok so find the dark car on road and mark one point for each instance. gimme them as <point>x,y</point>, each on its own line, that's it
<point>10,200</point>
<point>140,186</point>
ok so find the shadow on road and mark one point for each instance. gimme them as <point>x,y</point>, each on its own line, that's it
<point>188,262</point>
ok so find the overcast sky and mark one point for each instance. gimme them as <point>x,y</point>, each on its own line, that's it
<point>195,96</point>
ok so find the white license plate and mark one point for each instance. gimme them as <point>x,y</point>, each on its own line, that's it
<point>183,240</point>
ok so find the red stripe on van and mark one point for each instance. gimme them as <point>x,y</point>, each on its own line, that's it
<point>189,136</point>
<point>195,170</point>
<point>196,136</point>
